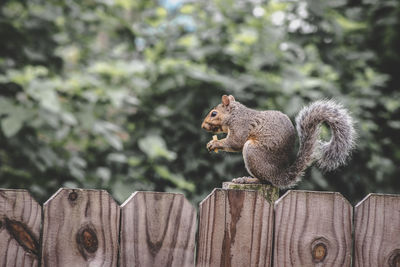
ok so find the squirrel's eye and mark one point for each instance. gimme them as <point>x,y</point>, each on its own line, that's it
<point>214,113</point>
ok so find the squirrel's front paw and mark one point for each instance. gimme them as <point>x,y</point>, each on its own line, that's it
<point>213,144</point>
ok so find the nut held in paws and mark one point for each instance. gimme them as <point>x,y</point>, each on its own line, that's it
<point>215,137</point>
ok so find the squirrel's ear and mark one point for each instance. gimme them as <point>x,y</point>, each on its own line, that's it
<point>225,100</point>
<point>231,98</point>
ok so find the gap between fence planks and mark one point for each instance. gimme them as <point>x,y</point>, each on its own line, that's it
<point>81,228</point>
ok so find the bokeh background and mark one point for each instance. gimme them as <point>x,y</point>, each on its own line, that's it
<point>111,93</point>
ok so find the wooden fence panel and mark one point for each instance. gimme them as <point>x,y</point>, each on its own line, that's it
<point>20,220</point>
<point>377,231</point>
<point>312,229</point>
<point>157,229</point>
<point>235,229</point>
<point>80,228</point>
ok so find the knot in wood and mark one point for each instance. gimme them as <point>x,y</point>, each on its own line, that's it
<point>394,258</point>
<point>22,235</point>
<point>319,250</point>
<point>72,196</point>
<point>87,241</point>
<point>90,241</point>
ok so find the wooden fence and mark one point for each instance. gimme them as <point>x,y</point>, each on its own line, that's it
<point>78,227</point>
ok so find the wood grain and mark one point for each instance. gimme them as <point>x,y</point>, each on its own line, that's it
<point>80,228</point>
<point>235,229</point>
<point>377,231</point>
<point>20,220</point>
<point>157,229</point>
<point>312,229</point>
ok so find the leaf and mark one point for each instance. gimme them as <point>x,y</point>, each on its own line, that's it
<point>5,105</point>
<point>117,157</point>
<point>121,191</point>
<point>110,132</point>
<point>77,167</point>
<point>14,121</point>
<point>154,146</point>
<point>348,24</point>
<point>69,118</point>
<point>45,93</point>
<point>103,173</point>
<point>178,180</point>
<point>10,126</point>
<point>113,140</point>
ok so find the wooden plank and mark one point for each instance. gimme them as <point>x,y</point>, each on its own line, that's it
<point>235,229</point>
<point>80,228</point>
<point>312,229</point>
<point>157,229</point>
<point>211,229</point>
<point>377,231</point>
<point>20,220</point>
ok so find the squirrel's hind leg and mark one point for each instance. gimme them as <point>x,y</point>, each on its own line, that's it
<point>260,162</point>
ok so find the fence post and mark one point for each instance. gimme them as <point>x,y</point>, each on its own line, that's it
<point>312,229</point>
<point>268,191</point>
<point>20,220</point>
<point>235,229</point>
<point>157,229</point>
<point>377,231</point>
<point>80,228</point>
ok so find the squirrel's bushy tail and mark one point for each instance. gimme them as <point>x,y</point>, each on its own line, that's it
<point>328,155</point>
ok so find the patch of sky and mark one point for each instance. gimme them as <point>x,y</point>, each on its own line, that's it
<point>186,21</point>
<point>171,5</point>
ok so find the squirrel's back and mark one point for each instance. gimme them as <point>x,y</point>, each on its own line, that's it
<point>274,130</point>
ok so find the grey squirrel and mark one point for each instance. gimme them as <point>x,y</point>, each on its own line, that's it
<point>267,139</point>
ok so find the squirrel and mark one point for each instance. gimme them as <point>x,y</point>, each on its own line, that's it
<point>267,139</point>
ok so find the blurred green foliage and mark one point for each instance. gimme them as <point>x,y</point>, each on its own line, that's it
<point>111,93</point>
